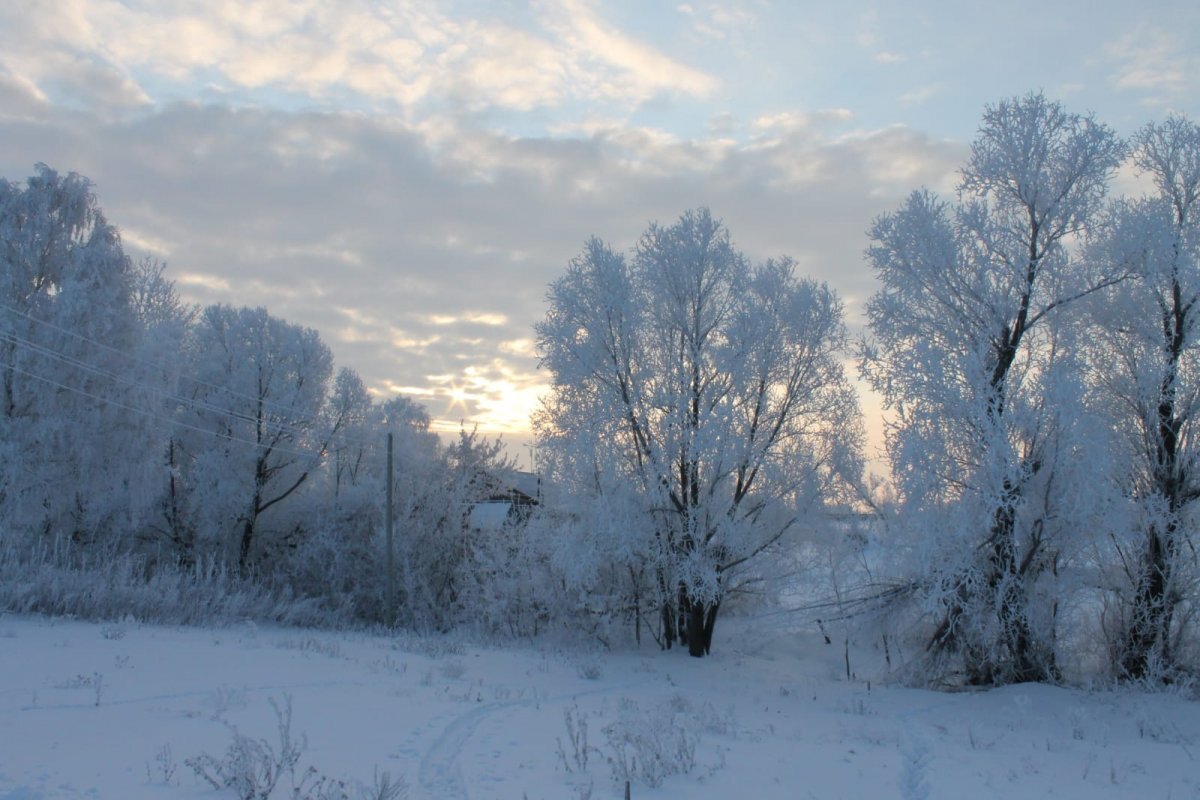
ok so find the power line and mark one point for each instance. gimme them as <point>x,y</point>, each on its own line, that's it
<point>190,402</point>
<point>136,384</point>
<point>118,404</point>
<point>146,362</point>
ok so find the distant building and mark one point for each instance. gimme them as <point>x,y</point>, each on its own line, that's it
<point>512,504</point>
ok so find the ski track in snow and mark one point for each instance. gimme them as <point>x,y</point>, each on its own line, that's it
<point>440,774</point>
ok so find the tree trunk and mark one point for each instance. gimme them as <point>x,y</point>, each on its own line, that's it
<point>1148,632</point>
<point>247,540</point>
<point>1013,656</point>
<point>635,579</point>
<point>1008,577</point>
<point>701,619</point>
<point>668,625</point>
<point>710,622</point>
<point>1147,637</point>
<point>695,624</point>
<point>682,608</point>
<point>666,612</point>
<point>10,406</point>
<point>244,547</point>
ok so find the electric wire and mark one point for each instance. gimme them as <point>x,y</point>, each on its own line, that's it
<point>189,402</point>
<point>160,417</point>
<point>164,369</point>
<point>192,403</point>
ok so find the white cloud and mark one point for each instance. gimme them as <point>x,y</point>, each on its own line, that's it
<point>415,239</point>
<point>189,280</point>
<point>519,347</point>
<point>401,55</point>
<point>1156,61</point>
<point>485,318</point>
<point>403,342</point>
<point>21,98</point>
<point>631,69</point>
<point>151,245</point>
<point>718,21</point>
<point>796,121</point>
<point>410,265</point>
<point>920,95</point>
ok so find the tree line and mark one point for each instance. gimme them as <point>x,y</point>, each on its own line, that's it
<point>1034,340</point>
<point>1035,344</point>
<point>134,423</point>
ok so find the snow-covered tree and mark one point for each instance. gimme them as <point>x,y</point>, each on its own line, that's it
<point>253,427</point>
<point>165,321</point>
<point>710,388</point>
<point>345,557</point>
<point>69,388</point>
<point>1146,367</point>
<point>134,421</point>
<point>351,447</point>
<point>968,354</point>
<point>438,578</point>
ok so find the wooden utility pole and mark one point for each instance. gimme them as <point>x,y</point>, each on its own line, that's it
<point>391,554</point>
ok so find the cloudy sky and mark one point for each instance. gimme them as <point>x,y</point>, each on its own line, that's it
<point>407,176</point>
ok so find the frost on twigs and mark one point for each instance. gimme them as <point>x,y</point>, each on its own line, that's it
<point>253,769</point>
<point>644,744</point>
<point>574,754</point>
<point>649,747</point>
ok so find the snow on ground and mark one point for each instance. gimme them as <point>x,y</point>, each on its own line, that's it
<point>115,710</point>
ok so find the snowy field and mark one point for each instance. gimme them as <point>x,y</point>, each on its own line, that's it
<point>117,711</point>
